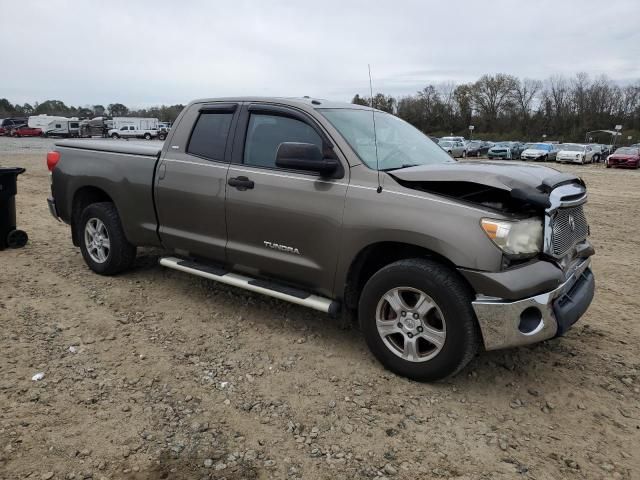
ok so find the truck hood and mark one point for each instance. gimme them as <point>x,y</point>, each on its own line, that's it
<point>487,182</point>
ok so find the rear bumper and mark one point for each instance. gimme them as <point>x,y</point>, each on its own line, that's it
<point>52,208</point>
<point>507,324</point>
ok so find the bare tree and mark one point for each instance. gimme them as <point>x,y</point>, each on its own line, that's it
<point>491,92</point>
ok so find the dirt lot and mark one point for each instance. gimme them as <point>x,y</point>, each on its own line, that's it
<point>171,376</point>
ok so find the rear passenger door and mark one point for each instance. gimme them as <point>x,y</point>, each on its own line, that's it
<point>191,182</point>
<point>283,224</point>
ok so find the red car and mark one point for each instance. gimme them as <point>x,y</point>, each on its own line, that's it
<point>624,157</point>
<point>26,131</point>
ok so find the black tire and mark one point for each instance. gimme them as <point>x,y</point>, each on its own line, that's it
<point>147,136</point>
<point>17,239</point>
<point>121,254</point>
<point>115,136</point>
<point>162,136</point>
<point>464,154</point>
<point>452,297</point>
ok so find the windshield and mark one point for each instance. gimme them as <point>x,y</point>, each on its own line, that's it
<point>399,144</point>
<point>572,148</point>
<point>628,151</point>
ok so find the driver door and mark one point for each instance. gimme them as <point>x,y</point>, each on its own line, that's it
<point>284,224</point>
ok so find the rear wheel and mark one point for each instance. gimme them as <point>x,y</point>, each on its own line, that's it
<point>147,136</point>
<point>115,135</point>
<point>417,319</point>
<point>104,246</point>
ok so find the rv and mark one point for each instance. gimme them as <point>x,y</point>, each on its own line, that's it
<point>53,126</point>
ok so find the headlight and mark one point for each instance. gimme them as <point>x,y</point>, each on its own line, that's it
<point>517,238</point>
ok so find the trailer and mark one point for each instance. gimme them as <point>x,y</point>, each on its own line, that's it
<point>54,126</point>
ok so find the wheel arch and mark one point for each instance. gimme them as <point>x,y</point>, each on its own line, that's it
<point>377,255</point>
<point>82,198</point>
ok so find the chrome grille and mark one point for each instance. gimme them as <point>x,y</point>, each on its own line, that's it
<point>569,227</point>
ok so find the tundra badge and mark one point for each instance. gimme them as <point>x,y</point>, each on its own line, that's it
<point>282,248</point>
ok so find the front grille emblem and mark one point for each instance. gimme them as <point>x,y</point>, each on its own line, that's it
<point>572,223</point>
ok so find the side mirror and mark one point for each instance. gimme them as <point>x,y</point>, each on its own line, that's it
<point>305,156</point>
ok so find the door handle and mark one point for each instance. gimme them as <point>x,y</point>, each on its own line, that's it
<point>241,183</point>
<point>162,172</point>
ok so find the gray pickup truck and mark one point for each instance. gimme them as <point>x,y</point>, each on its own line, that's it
<point>342,209</point>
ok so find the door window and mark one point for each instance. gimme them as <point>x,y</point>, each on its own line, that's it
<point>265,134</point>
<point>209,136</point>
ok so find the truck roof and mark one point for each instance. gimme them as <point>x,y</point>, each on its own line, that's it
<point>316,103</point>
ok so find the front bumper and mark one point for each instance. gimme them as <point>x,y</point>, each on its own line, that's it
<point>623,163</point>
<point>569,159</point>
<point>507,324</point>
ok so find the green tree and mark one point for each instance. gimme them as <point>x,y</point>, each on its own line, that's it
<point>118,110</point>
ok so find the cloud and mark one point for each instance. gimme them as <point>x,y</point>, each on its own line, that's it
<point>145,53</point>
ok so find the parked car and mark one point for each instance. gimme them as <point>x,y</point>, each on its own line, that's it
<point>474,148</point>
<point>25,131</point>
<point>131,131</point>
<point>575,153</point>
<point>505,150</point>
<point>455,149</point>
<point>455,139</point>
<point>624,157</point>
<point>8,124</point>
<point>539,152</point>
<point>291,198</point>
<point>597,151</point>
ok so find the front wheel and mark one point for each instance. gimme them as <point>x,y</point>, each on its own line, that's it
<point>104,247</point>
<point>464,154</point>
<point>417,319</point>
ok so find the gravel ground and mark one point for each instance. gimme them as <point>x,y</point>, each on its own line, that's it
<point>157,374</point>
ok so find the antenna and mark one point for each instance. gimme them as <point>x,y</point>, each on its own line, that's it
<point>375,136</point>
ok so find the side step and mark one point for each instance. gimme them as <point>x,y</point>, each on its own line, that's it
<point>272,289</point>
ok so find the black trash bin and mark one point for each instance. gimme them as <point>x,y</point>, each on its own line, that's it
<point>9,235</point>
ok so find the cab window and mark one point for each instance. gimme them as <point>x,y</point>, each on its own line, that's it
<point>209,136</point>
<point>265,133</point>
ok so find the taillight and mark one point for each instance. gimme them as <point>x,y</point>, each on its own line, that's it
<point>52,160</point>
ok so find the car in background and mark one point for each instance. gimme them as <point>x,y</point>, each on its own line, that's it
<point>455,139</point>
<point>575,153</point>
<point>478,148</point>
<point>473,148</point>
<point>455,149</point>
<point>624,157</point>
<point>26,131</point>
<point>598,151</point>
<point>539,152</point>
<point>8,124</point>
<point>506,150</point>
<point>131,131</point>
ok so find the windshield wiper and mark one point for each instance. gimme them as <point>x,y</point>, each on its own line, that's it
<point>404,165</point>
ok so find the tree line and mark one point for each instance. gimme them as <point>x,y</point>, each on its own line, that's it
<point>502,107</point>
<point>165,113</point>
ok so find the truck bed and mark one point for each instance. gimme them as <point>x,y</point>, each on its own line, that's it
<point>119,171</point>
<point>143,147</point>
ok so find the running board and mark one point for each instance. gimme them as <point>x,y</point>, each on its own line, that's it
<point>272,289</point>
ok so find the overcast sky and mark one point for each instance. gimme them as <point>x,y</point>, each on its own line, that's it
<point>146,53</point>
